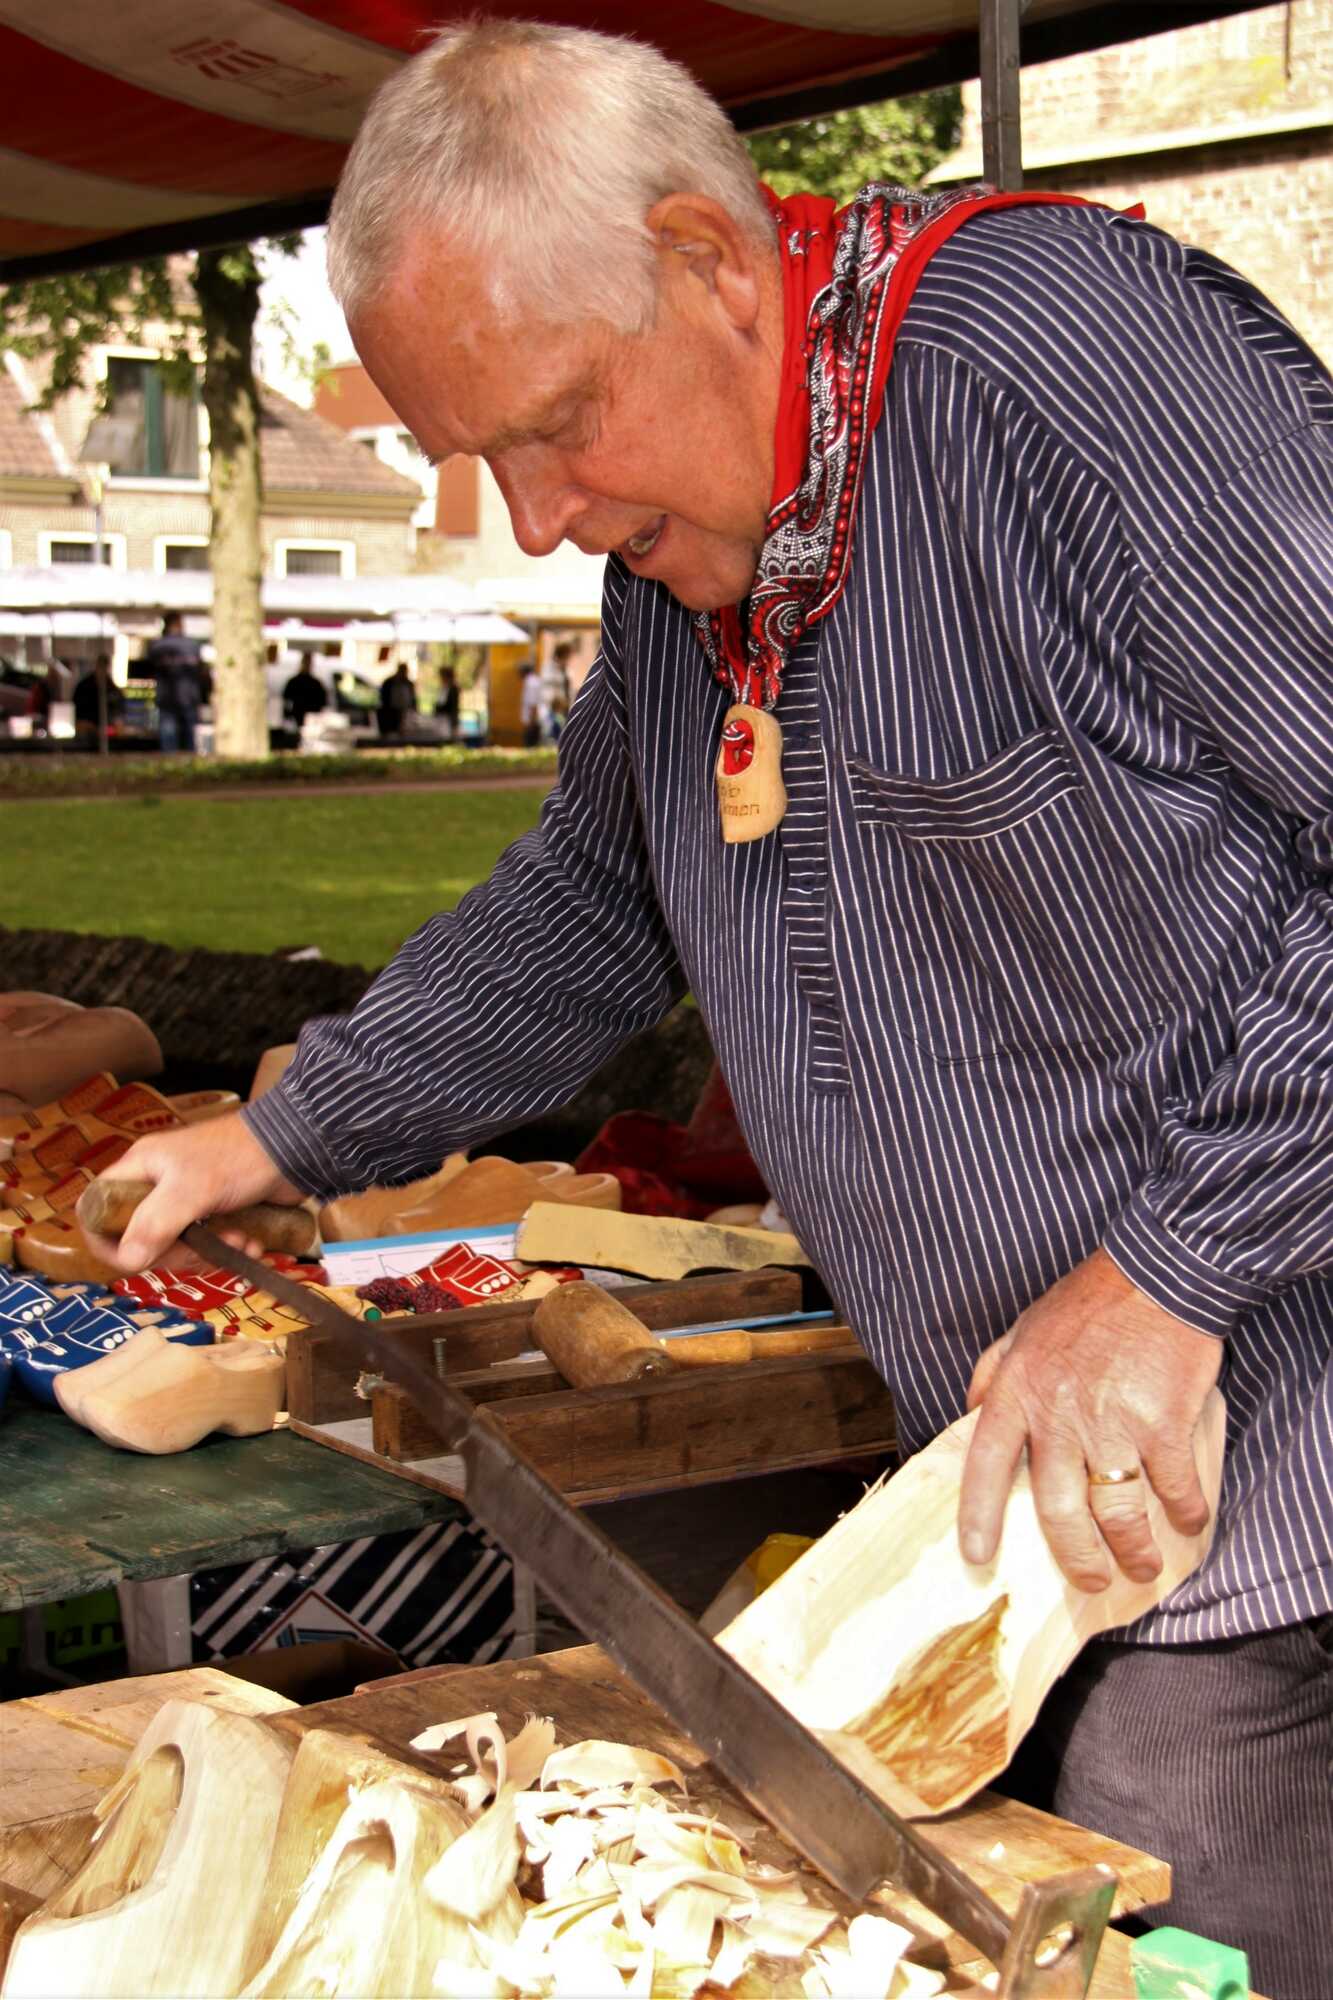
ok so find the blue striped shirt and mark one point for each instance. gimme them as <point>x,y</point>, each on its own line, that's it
<point>1041,956</point>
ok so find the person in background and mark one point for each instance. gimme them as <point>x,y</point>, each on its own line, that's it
<point>530,706</point>
<point>96,697</point>
<point>446,702</point>
<point>398,698</point>
<point>176,667</point>
<point>304,694</point>
<point>555,690</point>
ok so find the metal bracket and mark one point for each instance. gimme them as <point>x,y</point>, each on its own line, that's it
<point>1056,1935</point>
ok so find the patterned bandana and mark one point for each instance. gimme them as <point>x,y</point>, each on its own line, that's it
<point>847,277</point>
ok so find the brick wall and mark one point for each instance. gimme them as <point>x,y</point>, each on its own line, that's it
<point>1227,72</point>
<point>1263,203</point>
<point>383,548</point>
<point>1266,208</point>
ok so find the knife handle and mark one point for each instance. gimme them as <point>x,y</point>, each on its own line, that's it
<point>105,1207</point>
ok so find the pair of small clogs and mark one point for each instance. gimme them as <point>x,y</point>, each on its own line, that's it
<point>47,1329</point>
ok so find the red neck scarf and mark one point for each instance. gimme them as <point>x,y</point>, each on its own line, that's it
<point>847,277</point>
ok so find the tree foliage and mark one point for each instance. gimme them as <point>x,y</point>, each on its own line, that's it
<point>61,319</point>
<point>837,153</point>
<point>198,314</point>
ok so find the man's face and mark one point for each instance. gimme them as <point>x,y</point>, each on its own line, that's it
<point>657,446</point>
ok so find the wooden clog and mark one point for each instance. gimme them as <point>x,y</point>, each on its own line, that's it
<point>168,1898</point>
<point>355,1218</point>
<point>157,1395</point>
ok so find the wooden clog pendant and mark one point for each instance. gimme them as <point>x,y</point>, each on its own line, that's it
<point>751,796</point>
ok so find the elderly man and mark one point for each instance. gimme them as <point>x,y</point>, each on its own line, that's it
<point>1004,528</point>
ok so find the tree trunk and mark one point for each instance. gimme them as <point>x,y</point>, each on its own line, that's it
<point>227,285</point>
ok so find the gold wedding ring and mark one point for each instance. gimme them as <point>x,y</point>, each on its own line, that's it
<point>1118,1475</point>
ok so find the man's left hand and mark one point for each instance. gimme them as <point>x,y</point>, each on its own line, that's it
<point>1094,1378</point>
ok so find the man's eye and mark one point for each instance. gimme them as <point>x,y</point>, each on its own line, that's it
<point>574,430</point>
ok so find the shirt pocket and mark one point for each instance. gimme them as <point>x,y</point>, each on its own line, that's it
<point>1005,913</point>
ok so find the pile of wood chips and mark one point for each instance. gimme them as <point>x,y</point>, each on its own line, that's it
<point>622,1889</point>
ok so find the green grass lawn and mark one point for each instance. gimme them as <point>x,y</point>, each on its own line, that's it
<point>353,875</point>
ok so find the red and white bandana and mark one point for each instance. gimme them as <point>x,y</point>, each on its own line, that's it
<point>847,276</point>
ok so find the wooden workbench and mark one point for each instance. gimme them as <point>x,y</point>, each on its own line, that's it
<point>77,1516</point>
<point>59,1752</point>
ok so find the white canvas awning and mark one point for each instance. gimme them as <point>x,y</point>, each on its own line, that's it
<point>52,624</point>
<point>467,628</point>
<point>96,586</point>
<point>546,599</point>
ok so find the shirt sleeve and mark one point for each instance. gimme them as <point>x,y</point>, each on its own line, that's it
<point>500,1010</point>
<point>1239,618</point>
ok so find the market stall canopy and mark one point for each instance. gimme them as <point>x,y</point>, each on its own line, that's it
<point>97,586</point>
<point>144,126</point>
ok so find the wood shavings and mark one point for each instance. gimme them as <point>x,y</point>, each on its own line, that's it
<point>472,1876</point>
<point>592,1764</point>
<point>441,1733</point>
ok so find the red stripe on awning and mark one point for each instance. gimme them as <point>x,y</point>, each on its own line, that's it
<point>60,110</point>
<point>738,56</point>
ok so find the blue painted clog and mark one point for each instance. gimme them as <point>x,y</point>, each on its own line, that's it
<point>47,1329</point>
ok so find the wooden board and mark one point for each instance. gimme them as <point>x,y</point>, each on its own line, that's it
<point>60,1752</point>
<point>588,1696</point>
<point>650,1246</point>
<point>442,1472</point>
<point>76,1516</point>
<point>668,1430</point>
<point>321,1388</point>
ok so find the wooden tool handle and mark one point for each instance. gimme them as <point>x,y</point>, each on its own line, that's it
<point>106,1207</point>
<point>593,1340</point>
<point>711,1350</point>
<point>822,1339</point>
<point>739,1344</point>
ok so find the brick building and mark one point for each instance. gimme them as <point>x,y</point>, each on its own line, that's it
<point>330,507</point>
<point>465,534</point>
<point>1223,131</point>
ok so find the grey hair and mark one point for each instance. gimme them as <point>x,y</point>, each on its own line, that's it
<point>544,148</point>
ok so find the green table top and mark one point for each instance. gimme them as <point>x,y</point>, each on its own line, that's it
<point>77,1515</point>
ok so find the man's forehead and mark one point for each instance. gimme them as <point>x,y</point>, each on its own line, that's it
<point>478,428</point>
<point>467,373</point>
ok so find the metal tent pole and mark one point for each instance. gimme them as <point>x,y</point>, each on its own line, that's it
<point>1001,125</point>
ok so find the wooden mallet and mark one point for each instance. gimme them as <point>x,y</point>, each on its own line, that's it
<point>594,1341</point>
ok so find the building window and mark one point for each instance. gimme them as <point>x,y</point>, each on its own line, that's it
<point>185,555</point>
<point>153,431</point>
<point>77,552</point>
<point>79,548</point>
<point>313,558</point>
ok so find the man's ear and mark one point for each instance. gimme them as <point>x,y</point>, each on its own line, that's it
<point>697,239</point>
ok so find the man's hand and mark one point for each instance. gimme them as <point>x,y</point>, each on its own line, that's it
<point>1094,1377</point>
<point>202,1171</point>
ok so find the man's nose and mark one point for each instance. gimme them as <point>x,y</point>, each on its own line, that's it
<point>542,508</point>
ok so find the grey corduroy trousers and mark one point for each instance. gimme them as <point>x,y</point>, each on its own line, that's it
<point>1218,1758</point>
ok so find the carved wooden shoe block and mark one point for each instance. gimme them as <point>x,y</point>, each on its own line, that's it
<point>359,1830</point>
<point>925,1672</point>
<point>356,1218</point>
<point>464,1194</point>
<point>168,1899</point>
<point>156,1395</point>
